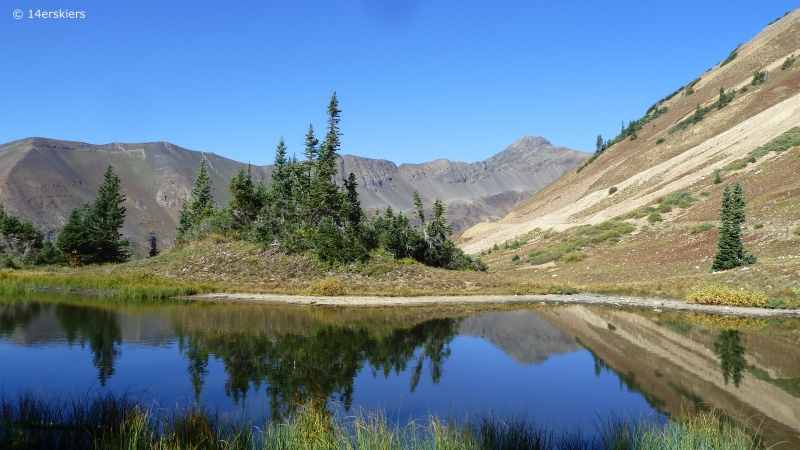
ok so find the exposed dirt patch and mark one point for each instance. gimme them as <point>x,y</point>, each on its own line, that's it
<point>581,299</point>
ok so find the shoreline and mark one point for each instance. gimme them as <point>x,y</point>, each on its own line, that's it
<point>656,304</point>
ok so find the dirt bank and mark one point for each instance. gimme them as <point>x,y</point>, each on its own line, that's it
<point>582,299</point>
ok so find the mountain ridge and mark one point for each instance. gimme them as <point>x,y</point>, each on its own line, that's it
<point>157,178</point>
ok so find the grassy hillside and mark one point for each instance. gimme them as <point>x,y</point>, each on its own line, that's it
<point>661,183</point>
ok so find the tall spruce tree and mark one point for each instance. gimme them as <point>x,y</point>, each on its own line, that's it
<point>201,204</point>
<point>281,188</point>
<point>324,189</point>
<point>106,217</point>
<point>730,250</point>
<point>244,205</point>
<point>75,240</point>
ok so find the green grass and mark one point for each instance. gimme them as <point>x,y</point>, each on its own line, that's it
<point>679,199</point>
<point>785,141</point>
<point>108,422</point>
<point>701,228</point>
<point>134,285</point>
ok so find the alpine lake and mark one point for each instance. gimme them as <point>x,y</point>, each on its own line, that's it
<point>567,367</point>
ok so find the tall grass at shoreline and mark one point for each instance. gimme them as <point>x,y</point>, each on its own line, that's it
<point>122,422</point>
<point>133,285</point>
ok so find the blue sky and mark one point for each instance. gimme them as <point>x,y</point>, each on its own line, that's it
<point>416,80</point>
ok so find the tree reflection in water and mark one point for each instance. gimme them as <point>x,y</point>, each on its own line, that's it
<point>98,327</point>
<point>17,315</point>
<point>321,365</point>
<point>730,351</point>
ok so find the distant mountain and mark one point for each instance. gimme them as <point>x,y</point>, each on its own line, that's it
<point>522,335</point>
<point>472,192</point>
<point>43,179</point>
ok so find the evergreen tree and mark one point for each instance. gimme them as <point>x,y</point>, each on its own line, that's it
<point>281,188</point>
<point>324,189</point>
<point>75,239</point>
<point>730,251</point>
<point>201,204</point>
<point>599,143</point>
<point>420,209</point>
<point>105,218</point>
<point>244,205</point>
<point>153,244</point>
<point>352,211</point>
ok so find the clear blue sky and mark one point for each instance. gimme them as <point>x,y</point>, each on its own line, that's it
<point>416,80</point>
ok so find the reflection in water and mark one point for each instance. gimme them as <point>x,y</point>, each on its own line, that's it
<point>222,353</point>
<point>99,328</point>
<point>17,315</point>
<point>730,351</point>
<point>298,368</point>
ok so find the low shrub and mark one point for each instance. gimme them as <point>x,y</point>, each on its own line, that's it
<point>660,141</point>
<point>573,256</point>
<point>717,178</point>
<point>758,226</point>
<point>654,217</point>
<point>563,290</point>
<point>612,189</point>
<point>701,228</point>
<point>735,165</point>
<point>705,194</point>
<point>759,77</point>
<point>796,231</point>
<point>664,209</point>
<point>775,303</point>
<point>542,256</point>
<point>515,258</point>
<point>718,295</point>
<point>639,213</point>
<point>679,199</point>
<point>730,57</point>
<point>326,287</point>
<point>788,62</point>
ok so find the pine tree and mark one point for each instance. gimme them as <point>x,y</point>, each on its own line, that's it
<point>281,187</point>
<point>599,143</point>
<point>201,204</point>
<point>75,240</point>
<point>352,205</point>
<point>420,209</point>
<point>153,244</point>
<point>244,205</point>
<point>106,217</point>
<point>730,250</point>
<point>324,189</point>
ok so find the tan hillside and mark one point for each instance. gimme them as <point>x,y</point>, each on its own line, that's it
<point>647,169</point>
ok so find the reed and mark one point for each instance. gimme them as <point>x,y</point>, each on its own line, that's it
<point>134,285</point>
<point>125,423</point>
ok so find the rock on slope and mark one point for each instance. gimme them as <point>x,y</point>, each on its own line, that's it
<point>659,163</point>
<point>43,179</point>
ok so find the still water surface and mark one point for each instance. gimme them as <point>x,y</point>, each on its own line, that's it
<point>564,366</point>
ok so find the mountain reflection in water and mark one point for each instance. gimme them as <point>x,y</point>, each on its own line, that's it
<point>562,363</point>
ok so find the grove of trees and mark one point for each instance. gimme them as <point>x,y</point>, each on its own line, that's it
<point>305,210</point>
